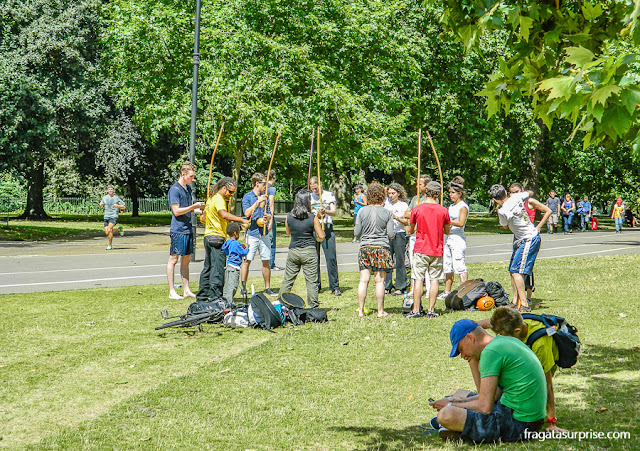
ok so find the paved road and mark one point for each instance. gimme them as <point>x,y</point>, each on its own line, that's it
<point>140,258</point>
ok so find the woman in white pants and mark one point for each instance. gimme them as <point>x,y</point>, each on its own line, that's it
<point>455,243</point>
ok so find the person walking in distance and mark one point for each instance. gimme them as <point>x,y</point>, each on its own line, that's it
<point>554,204</point>
<point>112,205</point>
<point>181,233</point>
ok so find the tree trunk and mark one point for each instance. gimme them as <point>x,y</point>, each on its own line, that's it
<point>531,179</point>
<point>35,200</point>
<point>339,186</point>
<point>133,192</point>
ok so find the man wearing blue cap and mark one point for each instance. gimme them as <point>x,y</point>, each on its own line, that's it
<point>513,392</point>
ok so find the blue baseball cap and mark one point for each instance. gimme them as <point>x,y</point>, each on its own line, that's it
<point>459,330</point>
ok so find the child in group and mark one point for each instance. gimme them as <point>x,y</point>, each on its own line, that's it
<point>235,252</point>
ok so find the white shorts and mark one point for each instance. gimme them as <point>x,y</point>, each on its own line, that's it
<point>454,249</point>
<point>261,244</point>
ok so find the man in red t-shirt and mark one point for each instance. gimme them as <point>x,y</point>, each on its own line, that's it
<point>431,220</point>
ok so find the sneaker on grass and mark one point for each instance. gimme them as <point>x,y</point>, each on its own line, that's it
<point>270,292</point>
<point>442,296</point>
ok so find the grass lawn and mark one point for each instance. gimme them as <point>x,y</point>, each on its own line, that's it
<point>69,226</point>
<point>86,369</point>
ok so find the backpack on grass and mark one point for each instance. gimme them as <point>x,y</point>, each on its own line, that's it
<point>220,306</point>
<point>266,315</point>
<point>565,337</point>
<point>495,290</point>
<point>466,296</point>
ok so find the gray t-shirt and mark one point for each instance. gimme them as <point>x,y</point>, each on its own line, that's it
<point>110,211</point>
<point>374,225</point>
<point>553,204</point>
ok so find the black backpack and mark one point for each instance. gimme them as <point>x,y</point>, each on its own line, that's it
<point>565,337</point>
<point>310,315</point>
<point>466,296</point>
<point>495,290</point>
<point>267,316</point>
<point>221,306</point>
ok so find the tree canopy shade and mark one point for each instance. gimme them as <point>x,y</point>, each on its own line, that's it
<point>52,97</point>
<point>369,73</point>
<point>574,59</point>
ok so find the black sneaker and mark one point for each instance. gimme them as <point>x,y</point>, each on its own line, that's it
<point>412,315</point>
<point>270,292</point>
<point>434,423</point>
<point>243,292</point>
<point>432,315</point>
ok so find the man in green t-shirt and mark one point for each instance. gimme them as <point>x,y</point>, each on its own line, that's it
<point>507,321</point>
<point>512,394</point>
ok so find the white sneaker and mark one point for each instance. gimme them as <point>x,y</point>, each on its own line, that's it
<point>442,296</point>
<point>109,248</point>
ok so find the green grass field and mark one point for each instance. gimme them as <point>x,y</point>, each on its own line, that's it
<point>86,370</point>
<point>76,226</point>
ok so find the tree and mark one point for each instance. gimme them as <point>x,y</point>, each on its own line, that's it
<point>52,94</point>
<point>574,60</point>
<point>368,73</point>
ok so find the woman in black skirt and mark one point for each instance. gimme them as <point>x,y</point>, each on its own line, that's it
<point>374,228</point>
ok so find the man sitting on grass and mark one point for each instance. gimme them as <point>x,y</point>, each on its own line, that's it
<point>512,396</point>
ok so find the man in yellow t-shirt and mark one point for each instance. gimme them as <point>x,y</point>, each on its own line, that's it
<point>216,218</point>
<point>507,321</point>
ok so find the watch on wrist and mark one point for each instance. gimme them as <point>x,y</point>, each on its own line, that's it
<point>552,420</point>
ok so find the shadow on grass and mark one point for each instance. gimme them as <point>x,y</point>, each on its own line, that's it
<point>381,438</point>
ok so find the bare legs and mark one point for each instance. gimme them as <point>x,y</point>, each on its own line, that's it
<point>365,276</point>
<point>184,273</point>
<point>266,272</point>
<point>448,283</point>
<point>519,293</point>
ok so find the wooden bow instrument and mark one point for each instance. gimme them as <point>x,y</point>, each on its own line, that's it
<point>273,154</point>
<point>319,182</point>
<point>435,154</point>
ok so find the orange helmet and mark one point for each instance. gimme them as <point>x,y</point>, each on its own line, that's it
<point>485,303</point>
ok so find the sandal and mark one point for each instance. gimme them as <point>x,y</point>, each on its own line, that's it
<point>525,309</point>
<point>397,293</point>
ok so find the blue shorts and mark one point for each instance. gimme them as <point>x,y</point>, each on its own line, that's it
<point>524,255</point>
<point>497,425</point>
<point>181,244</point>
